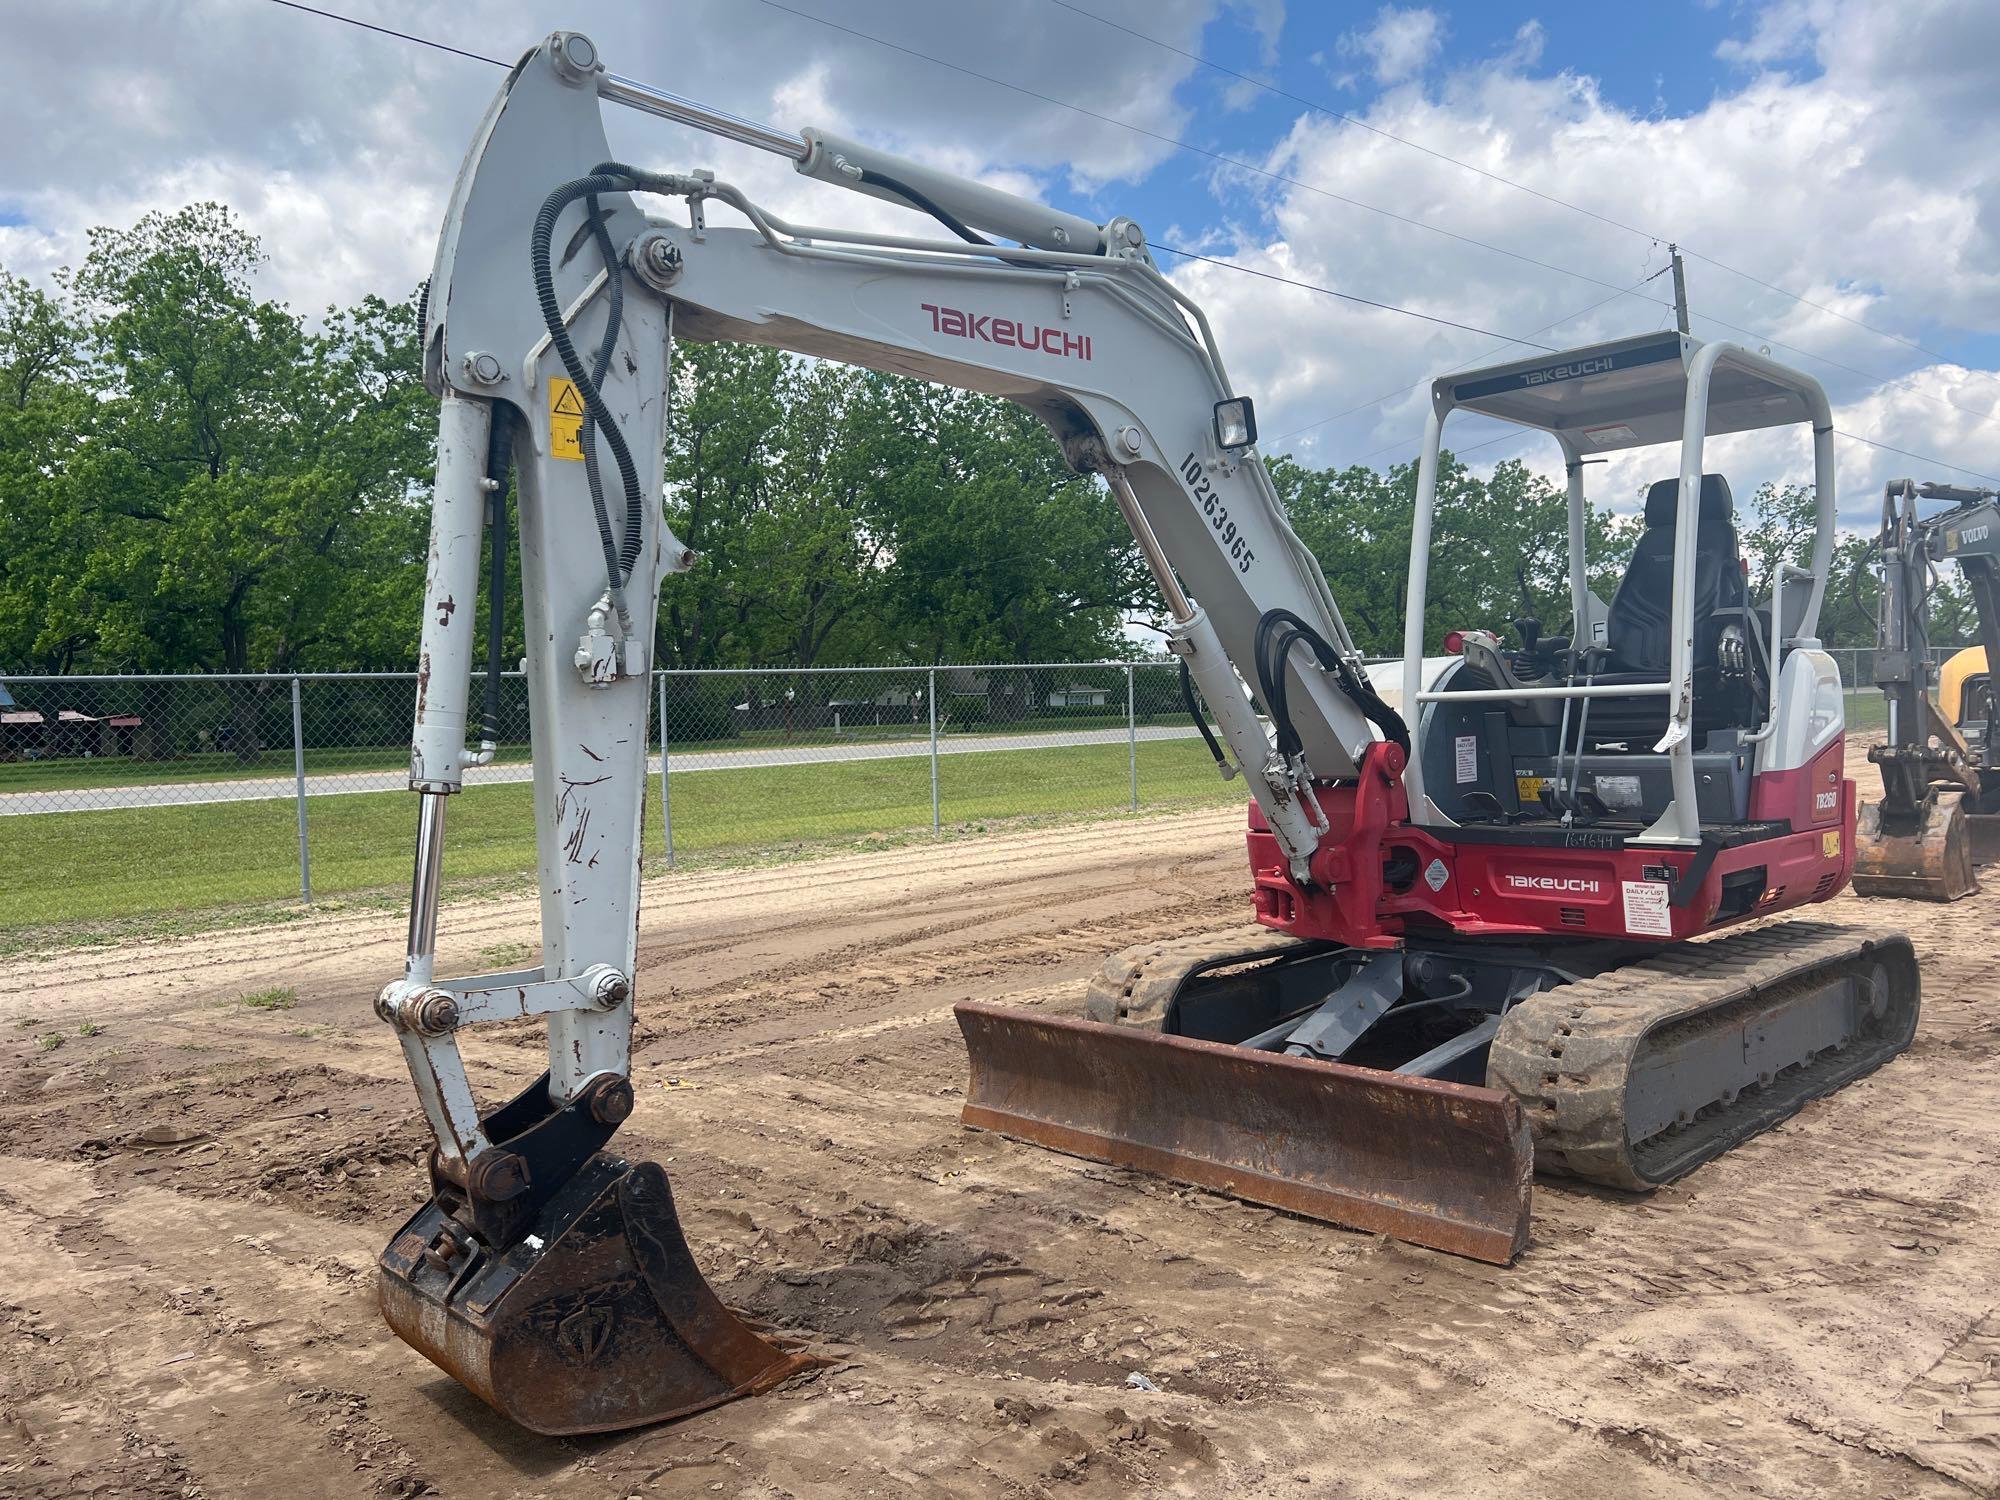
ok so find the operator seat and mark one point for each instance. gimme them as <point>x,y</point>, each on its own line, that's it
<point>1638,627</point>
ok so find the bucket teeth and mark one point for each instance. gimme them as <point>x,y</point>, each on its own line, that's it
<point>597,1320</point>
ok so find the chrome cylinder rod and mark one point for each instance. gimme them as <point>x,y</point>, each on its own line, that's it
<point>424,879</point>
<point>670,106</point>
<point>1149,546</point>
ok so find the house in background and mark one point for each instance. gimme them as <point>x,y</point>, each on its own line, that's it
<point>1078,695</point>
<point>23,731</point>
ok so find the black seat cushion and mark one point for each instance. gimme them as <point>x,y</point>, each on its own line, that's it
<point>1639,624</point>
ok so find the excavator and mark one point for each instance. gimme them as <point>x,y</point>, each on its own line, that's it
<point>1483,883</point>
<point>1939,817</point>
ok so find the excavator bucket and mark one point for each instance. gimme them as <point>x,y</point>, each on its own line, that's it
<point>1933,861</point>
<point>1982,832</point>
<point>596,1321</point>
<point>1445,1165</point>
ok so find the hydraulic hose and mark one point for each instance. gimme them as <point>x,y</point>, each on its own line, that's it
<point>1277,631</point>
<point>1201,721</point>
<point>609,177</point>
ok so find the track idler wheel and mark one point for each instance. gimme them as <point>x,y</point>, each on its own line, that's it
<point>597,1319</point>
<point>1932,861</point>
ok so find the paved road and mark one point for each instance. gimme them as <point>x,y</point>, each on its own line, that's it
<point>348,783</point>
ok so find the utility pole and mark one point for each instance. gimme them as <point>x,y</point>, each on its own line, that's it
<point>1680,289</point>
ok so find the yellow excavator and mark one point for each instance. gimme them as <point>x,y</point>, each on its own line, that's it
<point>1939,817</point>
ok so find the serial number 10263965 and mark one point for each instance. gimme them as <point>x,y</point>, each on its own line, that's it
<point>1203,491</point>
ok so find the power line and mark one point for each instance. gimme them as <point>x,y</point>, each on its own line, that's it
<point>1922,458</point>
<point>1466,364</point>
<point>424,41</point>
<point>1324,291</point>
<point>1221,157</point>
<point>1490,176</point>
<point>404,36</point>
<point>1327,291</point>
<point>1180,145</point>
<point>1882,380</point>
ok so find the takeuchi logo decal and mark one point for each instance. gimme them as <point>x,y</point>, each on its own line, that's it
<point>990,328</point>
<point>1552,885</point>
<point>1603,364</point>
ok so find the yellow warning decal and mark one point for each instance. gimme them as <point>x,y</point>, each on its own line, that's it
<point>1830,842</point>
<point>1529,788</point>
<point>565,419</point>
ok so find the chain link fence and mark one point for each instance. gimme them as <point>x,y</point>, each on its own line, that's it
<point>147,796</point>
<point>131,796</point>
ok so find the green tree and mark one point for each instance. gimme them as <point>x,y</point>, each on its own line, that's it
<point>997,551</point>
<point>722,450</point>
<point>46,611</point>
<point>221,488</point>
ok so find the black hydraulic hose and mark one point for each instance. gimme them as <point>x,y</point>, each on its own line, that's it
<point>499,469</point>
<point>916,199</point>
<point>617,565</point>
<point>1277,631</point>
<point>609,177</point>
<point>1200,718</point>
<point>938,211</point>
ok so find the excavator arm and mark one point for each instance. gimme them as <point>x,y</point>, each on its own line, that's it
<point>546,1273</point>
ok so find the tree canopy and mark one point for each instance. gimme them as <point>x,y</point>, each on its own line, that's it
<point>193,478</point>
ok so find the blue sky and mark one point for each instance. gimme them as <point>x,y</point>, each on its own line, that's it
<point>1783,137</point>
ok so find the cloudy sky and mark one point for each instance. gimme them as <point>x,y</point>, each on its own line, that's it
<point>1510,165</point>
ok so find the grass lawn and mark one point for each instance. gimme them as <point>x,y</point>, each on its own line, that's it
<point>106,867</point>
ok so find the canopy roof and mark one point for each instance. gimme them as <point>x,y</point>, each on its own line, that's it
<point>1628,393</point>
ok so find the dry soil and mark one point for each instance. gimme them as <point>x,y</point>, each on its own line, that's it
<point>194,1195</point>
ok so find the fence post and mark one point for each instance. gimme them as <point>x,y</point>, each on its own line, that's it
<point>299,780</point>
<point>936,823</point>
<point>666,797</point>
<point>1132,734</point>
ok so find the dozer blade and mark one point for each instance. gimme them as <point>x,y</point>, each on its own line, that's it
<point>597,1320</point>
<point>1932,863</point>
<point>1438,1164</point>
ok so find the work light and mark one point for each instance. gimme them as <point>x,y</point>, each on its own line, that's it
<point>1235,423</point>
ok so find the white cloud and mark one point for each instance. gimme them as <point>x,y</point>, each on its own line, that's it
<point>1400,45</point>
<point>339,146</point>
<point>1813,167</point>
<point>1828,185</point>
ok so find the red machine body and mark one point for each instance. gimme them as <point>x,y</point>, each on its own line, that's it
<point>1379,879</point>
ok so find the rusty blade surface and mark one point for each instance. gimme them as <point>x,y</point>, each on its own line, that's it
<point>1438,1164</point>
<point>1933,863</point>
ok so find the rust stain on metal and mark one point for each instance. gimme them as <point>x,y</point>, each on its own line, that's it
<point>1932,862</point>
<point>447,607</point>
<point>1439,1164</point>
<point>608,1325</point>
<point>590,752</point>
<point>423,682</point>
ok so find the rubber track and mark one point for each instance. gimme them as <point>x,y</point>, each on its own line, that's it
<point>1566,1054</point>
<point>1136,984</point>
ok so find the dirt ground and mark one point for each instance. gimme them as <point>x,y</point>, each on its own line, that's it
<point>194,1196</point>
